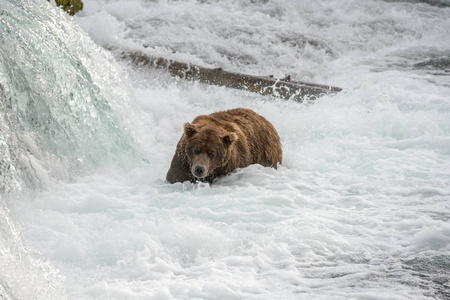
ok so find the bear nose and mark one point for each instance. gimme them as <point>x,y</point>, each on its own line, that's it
<point>199,170</point>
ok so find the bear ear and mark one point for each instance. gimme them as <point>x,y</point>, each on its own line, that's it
<point>189,129</point>
<point>230,138</point>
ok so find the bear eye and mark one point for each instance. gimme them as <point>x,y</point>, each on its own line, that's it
<point>211,155</point>
<point>196,151</point>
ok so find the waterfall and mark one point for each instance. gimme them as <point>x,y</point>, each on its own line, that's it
<point>60,98</point>
<point>60,95</point>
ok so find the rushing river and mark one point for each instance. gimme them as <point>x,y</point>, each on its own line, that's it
<point>360,208</point>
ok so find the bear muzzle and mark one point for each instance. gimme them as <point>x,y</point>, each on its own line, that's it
<point>199,171</point>
<point>200,166</point>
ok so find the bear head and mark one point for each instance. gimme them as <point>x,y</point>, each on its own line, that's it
<point>207,147</point>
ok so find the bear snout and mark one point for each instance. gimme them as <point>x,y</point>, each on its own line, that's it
<point>200,166</point>
<point>199,171</point>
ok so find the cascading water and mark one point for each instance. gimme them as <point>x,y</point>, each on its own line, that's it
<point>57,97</point>
<point>56,90</point>
<point>24,273</point>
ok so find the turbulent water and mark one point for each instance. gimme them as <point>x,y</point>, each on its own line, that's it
<point>359,209</point>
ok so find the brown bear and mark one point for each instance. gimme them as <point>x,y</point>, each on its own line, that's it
<point>217,144</point>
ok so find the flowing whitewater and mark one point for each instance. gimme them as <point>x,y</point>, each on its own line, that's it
<point>57,121</point>
<point>358,210</point>
<point>54,100</point>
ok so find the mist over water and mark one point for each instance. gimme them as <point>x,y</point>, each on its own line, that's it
<point>358,210</point>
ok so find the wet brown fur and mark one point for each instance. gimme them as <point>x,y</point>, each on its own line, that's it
<point>222,142</point>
